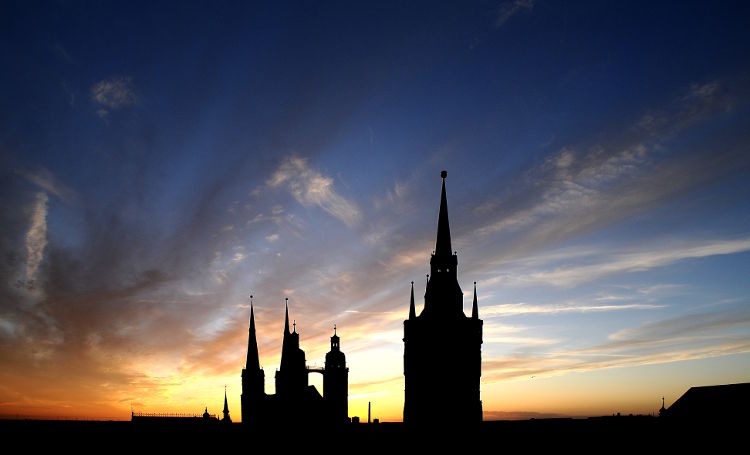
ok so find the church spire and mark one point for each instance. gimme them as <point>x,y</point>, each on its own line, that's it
<point>226,418</point>
<point>412,311</point>
<point>253,361</point>
<point>286,316</point>
<point>474,307</point>
<point>443,244</point>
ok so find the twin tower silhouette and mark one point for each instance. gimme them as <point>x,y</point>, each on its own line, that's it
<point>442,359</point>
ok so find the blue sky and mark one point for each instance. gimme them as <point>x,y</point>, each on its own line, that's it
<point>161,162</point>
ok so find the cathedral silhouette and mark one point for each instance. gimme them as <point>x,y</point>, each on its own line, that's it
<point>294,399</point>
<point>442,347</point>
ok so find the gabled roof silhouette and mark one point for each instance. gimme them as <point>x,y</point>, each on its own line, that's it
<point>712,402</point>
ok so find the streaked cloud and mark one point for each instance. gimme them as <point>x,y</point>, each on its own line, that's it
<point>590,185</point>
<point>573,267</point>
<point>689,325</point>
<point>310,187</point>
<point>512,309</point>
<point>62,53</point>
<point>36,236</point>
<point>689,337</point>
<point>45,180</point>
<point>508,9</point>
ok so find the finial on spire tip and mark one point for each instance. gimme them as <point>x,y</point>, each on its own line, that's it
<point>444,174</point>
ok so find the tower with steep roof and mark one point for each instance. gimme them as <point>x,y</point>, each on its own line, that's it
<point>226,418</point>
<point>442,346</point>
<point>291,378</point>
<point>336,381</point>
<point>253,394</point>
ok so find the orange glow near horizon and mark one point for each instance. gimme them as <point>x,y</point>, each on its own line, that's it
<point>579,394</point>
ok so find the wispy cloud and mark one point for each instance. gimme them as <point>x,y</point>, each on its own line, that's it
<point>571,185</point>
<point>112,94</point>
<point>45,180</point>
<point>62,53</point>
<point>513,309</point>
<point>36,236</point>
<point>689,337</point>
<point>588,265</point>
<point>586,186</point>
<point>687,325</point>
<point>310,187</point>
<point>506,10</point>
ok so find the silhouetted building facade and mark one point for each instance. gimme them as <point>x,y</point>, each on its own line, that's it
<point>295,399</point>
<point>442,346</point>
<point>714,403</point>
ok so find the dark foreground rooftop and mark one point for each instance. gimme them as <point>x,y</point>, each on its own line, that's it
<point>636,433</point>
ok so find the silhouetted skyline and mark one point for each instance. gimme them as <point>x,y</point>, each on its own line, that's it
<point>159,163</point>
<point>295,399</point>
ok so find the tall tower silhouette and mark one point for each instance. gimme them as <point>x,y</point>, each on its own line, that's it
<point>336,382</point>
<point>442,346</point>
<point>253,394</point>
<point>291,379</point>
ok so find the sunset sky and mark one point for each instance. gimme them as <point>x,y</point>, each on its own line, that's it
<point>161,161</point>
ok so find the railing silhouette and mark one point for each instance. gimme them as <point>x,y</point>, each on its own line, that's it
<point>170,414</point>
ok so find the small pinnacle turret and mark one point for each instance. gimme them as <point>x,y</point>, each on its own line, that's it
<point>474,306</point>
<point>412,310</point>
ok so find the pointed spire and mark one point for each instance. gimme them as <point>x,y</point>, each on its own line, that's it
<point>253,360</point>
<point>286,317</point>
<point>226,407</point>
<point>474,307</point>
<point>443,244</point>
<point>412,310</point>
